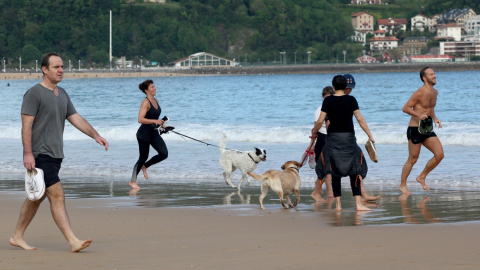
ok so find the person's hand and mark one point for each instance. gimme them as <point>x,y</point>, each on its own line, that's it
<point>29,161</point>
<point>100,140</point>
<point>371,139</point>
<point>159,122</point>
<point>439,123</point>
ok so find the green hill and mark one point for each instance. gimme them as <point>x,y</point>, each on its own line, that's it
<point>254,31</point>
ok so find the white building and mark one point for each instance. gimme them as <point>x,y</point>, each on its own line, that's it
<point>202,59</point>
<point>472,26</point>
<point>462,48</point>
<point>392,26</point>
<point>422,22</point>
<point>362,2</point>
<point>380,42</point>
<point>360,37</point>
<point>449,31</point>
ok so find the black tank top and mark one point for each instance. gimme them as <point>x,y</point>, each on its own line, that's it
<point>146,131</point>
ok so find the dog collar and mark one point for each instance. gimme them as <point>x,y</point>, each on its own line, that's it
<point>253,159</point>
<point>294,168</point>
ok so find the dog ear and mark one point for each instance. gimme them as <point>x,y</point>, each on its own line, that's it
<point>283,167</point>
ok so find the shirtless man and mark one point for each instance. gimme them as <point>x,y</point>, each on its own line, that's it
<point>420,106</point>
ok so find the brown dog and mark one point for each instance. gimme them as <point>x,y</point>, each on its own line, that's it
<point>282,182</point>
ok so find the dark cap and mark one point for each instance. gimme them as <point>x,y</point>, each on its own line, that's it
<point>350,80</point>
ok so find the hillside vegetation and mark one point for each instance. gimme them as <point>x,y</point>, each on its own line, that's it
<point>251,31</point>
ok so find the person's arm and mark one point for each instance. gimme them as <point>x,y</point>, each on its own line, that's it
<point>363,124</point>
<point>435,119</point>
<point>28,159</point>
<point>81,124</point>
<point>144,107</point>
<point>408,107</point>
<point>318,124</point>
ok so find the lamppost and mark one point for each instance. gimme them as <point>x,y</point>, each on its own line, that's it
<point>69,65</point>
<point>4,70</point>
<point>344,54</point>
<point>20,58</point>
<point>295,57</point>
<point>36,65</point>
<point>79,64</point>
<point>309,53</point>
<point>283,57</point>
<point>141,62</point>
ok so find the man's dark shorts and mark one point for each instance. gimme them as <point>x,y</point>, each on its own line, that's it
<point>50,166</point>
<point>416,137</point>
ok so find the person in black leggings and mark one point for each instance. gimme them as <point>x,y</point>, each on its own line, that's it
<point>341,156</point>
<point>147,135</point>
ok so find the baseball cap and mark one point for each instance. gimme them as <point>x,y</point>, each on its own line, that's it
<point>350,80</point>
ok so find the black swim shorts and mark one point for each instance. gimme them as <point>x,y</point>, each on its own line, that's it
<point>50,166</point>
<point>416,137</point>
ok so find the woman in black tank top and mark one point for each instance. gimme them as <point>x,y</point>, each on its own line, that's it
<point>147,135</point>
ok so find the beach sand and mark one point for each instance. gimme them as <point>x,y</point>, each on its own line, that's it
<point>131,232</point>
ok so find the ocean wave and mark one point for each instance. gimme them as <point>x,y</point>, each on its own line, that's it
<point>461,134</point>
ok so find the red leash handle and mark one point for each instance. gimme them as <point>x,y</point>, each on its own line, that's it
<point>306,154</point>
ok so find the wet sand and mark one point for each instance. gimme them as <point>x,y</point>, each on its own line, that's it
<point>185,225</point>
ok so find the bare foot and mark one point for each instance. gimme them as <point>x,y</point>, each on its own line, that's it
<point>404,190</point>
<point>81,245</point>
<point>20,243</point>
<point>317,197</point>
<point>361,207</point>
<point>369,198</point>
<point>145,174</point>
<point>330,195</point>
<point>422,182</point>
<point>134,185</point>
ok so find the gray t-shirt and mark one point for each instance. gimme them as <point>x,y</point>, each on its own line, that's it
<point>50,112</point>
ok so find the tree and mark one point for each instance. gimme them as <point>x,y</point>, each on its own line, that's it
<point>30,53</point>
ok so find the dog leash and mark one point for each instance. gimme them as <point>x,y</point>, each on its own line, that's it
<point>164,130</point>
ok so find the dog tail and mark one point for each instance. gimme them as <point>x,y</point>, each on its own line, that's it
<point>223,143</point>
<point>256,176</point>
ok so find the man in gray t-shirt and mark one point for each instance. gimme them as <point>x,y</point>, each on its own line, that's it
<point>44,110</point>
<point>50,112</point>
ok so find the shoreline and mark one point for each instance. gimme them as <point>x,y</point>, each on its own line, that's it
<point>250,70</point>
<point>219,237</point>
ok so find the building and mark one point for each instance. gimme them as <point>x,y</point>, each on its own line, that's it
<point>430,58</point>
<point>380,42</point>
<point>366,59</point>
<point>457,16</point>
<point>363,21</point>
<point>449,32</point>
<point>421,22</point>
<point>414,45</point>
<point>461,48</point>
<point>392,26</point>
<point>202,59</point>
<point>472,26</point>
<point>368,2</point>
<point>360,37</point>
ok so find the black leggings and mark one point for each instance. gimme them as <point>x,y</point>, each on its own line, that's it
<point>144,147</point>
<point>355,183</point>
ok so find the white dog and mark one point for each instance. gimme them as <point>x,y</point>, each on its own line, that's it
<point>230,160</point>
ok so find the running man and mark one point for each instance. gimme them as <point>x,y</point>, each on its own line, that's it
<point>421,106</point>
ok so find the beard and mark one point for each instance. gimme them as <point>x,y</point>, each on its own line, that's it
<point>432,81</point>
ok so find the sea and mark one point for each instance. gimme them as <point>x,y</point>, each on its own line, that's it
<point>273,112</point>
